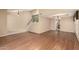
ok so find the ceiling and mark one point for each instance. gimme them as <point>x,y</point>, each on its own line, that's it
<point>57,12</point>
<point>49,12</point>
<point>16,10</point>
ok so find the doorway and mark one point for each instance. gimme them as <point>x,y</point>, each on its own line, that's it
<point>63,23</point>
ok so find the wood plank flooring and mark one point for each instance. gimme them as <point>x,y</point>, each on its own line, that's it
<point>50,40</point>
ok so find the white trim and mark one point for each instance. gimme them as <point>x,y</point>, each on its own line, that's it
<point>13,33</point>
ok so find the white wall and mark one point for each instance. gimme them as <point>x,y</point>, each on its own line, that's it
<point>53,24</point>
<point>18,23</point>
<point>42,26</point>
<point>66,24</point>
<point>3,19</point>
<point>77,28</point>
<point>11,23</point>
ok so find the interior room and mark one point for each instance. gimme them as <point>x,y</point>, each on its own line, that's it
<point>39,29</point>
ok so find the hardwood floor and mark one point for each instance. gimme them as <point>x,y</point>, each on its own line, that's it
<point>50,40</point>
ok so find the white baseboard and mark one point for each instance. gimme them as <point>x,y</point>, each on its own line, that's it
<point>44,31</point>
<point>40,31</point>
<point>65,31</point>
<point>13,33</point>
